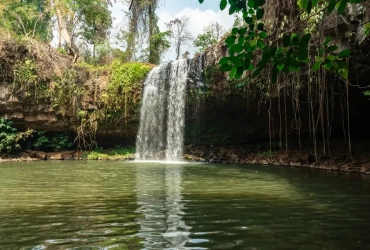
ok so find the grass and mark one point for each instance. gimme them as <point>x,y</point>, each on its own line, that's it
<point>117,153</point>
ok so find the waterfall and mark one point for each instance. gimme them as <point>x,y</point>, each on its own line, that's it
<point>162,114</point>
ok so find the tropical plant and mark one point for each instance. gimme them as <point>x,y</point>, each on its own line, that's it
<point>9,137</point>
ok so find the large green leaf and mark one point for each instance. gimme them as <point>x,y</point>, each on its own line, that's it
<point>239,72</point>
<point>232,9</point>
<point>344,73</point>
<point>262,34</point>
<point>260,13</point>
<point>223,4</point>
<point>309,6</point>
<point>286,40</point>
<point>331,5</point>
<point>258,3</point>
<point>226,67</point>
<point>342,6</point>
<point>327,40</point>
<point>332,48</point>
<point>316,66</point>
<point>344,53</point>
<point>224,60</point>
<point>230,40</point>
<point>237,48</point>
<point>232,72</point>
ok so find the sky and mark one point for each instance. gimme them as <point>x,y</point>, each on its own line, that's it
<point>200,15</point>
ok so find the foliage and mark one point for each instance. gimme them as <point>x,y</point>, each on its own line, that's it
<point>159,44</point>
<point>54,142</point>
<point>9,137</point>
<point>124,78</point>
<point>27,18</point>
<point>203,41</point>
<point>118,153</point>
<point>25,76</point>
<point>212,33</point>
<point>288,54</point>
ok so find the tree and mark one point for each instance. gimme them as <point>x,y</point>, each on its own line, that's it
<point>179,33</point>
<point>142,24</point>
<point>212,34</point>
<point>85,19</point>
<point>284,50</point>
<point>28,18</point>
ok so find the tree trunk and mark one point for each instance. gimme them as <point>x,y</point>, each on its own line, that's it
<point>64,32</point>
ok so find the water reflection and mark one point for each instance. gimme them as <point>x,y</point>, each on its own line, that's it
<point>159,200</point>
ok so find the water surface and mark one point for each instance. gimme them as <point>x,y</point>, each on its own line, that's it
<point>127,205</point>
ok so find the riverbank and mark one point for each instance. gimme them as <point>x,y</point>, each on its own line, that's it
<point>242,154</point>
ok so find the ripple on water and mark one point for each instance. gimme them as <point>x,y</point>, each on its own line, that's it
<point>95,232</point>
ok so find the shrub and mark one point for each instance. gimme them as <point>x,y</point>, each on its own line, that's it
<point>9,136</point>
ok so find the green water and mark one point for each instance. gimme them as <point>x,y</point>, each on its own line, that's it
<point>123,205</point>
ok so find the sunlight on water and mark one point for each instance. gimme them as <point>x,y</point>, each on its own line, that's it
<point>132,205</point>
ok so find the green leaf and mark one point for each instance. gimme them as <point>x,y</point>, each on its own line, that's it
<point>260,26</point>
<point>331,5</point>
<point>242,31</point>
<point>342,64</point>
<point>201,1</point>
<point>223,60</point>
<point>331,57</point>
<point>232,9</point>
<point>239,72</point>
<point>332,48</point>
<point>294,39</point>
<point>246,64</point>
<point>262,34</point>
<point>234,31</point>
<point>342,6</point>
<point>260,13</point>
<point>344,73</point>
<point>232,72</point>
<point>230,40</point>
<point>328,65</point>
<point>309,6</point>
<point>250,4</point>
<point>344,53</point>
<point>327,40</point>
<point>248,20</point>
<point>251,11</point>
<point>260,44</point>
<point>286,40</point>
<point>259,3</point>
<point>316,66</point>
<point>241,39</point>
<point>303,4</point>
<point>237,48</point>
<point>226,67</point>
<point>223,4</point>
<point>303,42</point>
<point>314,3</point>
<point>321,52</point>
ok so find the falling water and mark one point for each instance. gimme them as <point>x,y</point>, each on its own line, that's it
<point>162,115</point>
